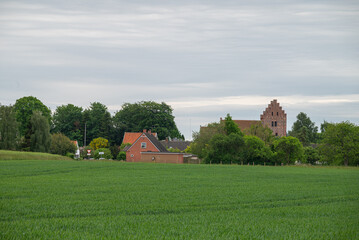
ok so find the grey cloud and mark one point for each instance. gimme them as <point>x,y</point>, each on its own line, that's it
<point>69,51</point>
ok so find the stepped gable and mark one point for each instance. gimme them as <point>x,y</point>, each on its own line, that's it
<point>275,118</point>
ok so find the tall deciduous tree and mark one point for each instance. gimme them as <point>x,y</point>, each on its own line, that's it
<point>288,149</point>
<point>340,144</point>
<point>304,129</point>
<point>225,149</point>
<point>8,128</point>
<point>230,126</point>
<point>67,120</point>
<point>24,108</point>
<point>40,133</point>
<point>98,122</point>
<point>256,151</point>
<point>149,115</point>
<point>263,132</point>
<point>202,138</point>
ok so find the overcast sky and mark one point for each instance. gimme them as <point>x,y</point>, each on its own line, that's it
<point>204,58</point>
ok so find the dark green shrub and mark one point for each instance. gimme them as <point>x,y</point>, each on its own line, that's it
<point>60,144</point>
<point>107,153</point>
<point>121,156</point>
<point>70,155</point>
<point>311,155</point>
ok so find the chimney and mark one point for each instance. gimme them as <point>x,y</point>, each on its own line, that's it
<point>144,130</point>
<point>149,131</point>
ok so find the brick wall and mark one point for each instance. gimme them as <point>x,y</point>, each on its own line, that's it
<point>134,153</point>
<point>162,157</point>
<point>275,118</point>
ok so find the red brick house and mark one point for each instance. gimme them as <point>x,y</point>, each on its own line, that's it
<point>146,142</point>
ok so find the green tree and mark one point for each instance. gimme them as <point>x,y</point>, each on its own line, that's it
<point>263,132</point>
<point>311,155</point>
<point>225,149</point>
<point>8,128</point>
<point>60,144</point>
<point>256,151</point>
<point>99,143</point>
<point>304,129</point>
<point>24,108</point>
<point>340,144</point>
<point>121,156</point>
<point>40,139</point>
<point>98,121</point>
<point>148,115</point>
<point>202,138</point>
<point>288,149</point>
<point>230,126</point>
<point>67,119</point>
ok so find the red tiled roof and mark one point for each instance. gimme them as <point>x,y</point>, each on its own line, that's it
<point>131,137</point>
<point>245,124</point>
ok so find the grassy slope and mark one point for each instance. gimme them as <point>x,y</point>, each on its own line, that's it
<point>112,200</point>
<point>15,155</point>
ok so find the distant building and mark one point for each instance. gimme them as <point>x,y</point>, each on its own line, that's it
<point>146,142</point>
<point>147,148</point>
<point>175,144</point>
<point>273,117</point>
<point>131,137</point>
<point>77,153</point>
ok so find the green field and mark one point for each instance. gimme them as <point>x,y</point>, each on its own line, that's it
<point>47,199</point>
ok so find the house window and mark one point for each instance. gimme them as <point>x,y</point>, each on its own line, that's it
<point>277,114</point>
<point>275,123</point>
<point>131,155</point>
<point>272,113</point>
<point>272,123</point>
<point>276,134</point>
<point>143,145</point>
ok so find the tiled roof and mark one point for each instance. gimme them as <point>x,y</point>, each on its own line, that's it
<point>181,145</point>
<point>155,142</point>
<point>131,137</point>
<point>245,124</point>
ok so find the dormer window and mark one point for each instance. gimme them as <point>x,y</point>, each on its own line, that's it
<point>143,145</point>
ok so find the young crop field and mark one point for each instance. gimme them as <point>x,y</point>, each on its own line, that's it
<point>60,199</point>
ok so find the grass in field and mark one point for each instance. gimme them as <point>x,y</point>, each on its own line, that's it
<point>113,200</point>
<point>15,155</point>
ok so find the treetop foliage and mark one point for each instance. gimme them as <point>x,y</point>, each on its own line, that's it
<point>24,108</point>
<point>340,144</point>
<point>158,117</point>
<point>40,133</point>
<point>99,143</point>
<point>60,144</point>
<point>8,128</point>
<point>304,129</point>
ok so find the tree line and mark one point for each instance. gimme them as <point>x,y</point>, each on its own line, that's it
<point>224,142</point>
<point>29,125</point>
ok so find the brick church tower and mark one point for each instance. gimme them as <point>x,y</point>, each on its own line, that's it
<point>275,118</point>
